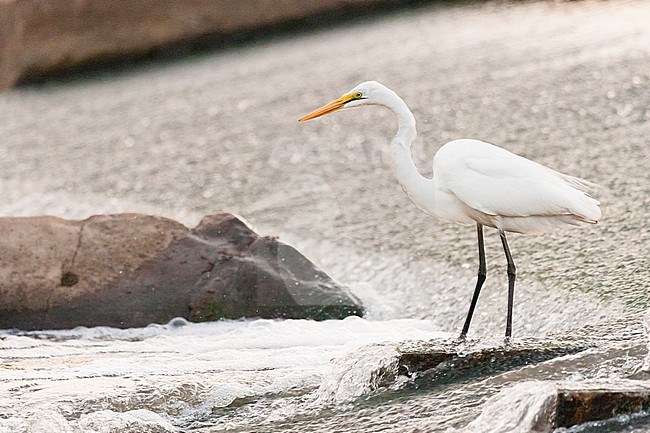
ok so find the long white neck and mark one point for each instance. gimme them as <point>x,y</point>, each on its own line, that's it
<point>418,188</point>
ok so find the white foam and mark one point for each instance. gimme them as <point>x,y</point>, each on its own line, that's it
<point>134,421</point>
<point>184,372</point>
<point>359,373</point>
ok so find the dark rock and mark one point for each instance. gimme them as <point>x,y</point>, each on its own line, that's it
<point>443,361</point>
<point>130,270</point>
<point>578,403</point>
<point>432,363</point>
<point>543,406</point>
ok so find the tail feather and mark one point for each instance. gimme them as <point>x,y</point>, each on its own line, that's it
<point>584,206</point>
<point>579,183</point>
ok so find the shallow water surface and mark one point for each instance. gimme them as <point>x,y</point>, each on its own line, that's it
<point>254,375</point>
<point>191,374</point>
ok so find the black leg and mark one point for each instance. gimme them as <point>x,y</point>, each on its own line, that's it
<point>511,284</point>
<point>482,274</point>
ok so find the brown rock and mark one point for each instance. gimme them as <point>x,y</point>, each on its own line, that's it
<point>435,362</point>
<point>543,406</point>
<point>432,363</point>
<point>578,403</point>
<point>45,262</point>
<point>39,36</point>
<point>130,270</point>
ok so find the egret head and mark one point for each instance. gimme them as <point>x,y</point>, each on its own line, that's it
<point>366,93</point>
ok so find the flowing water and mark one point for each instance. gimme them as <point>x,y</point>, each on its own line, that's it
<point>567,84</point>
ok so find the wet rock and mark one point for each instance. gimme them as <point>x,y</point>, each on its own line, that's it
<point>130,270</point>
<point>437,362</point>
<point>421,364</point>
<point>37,37</point>
<point>581,402</point>
<point>538,406</point>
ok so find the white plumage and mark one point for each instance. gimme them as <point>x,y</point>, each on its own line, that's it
<point>477,182</point>
<point>506,191</point>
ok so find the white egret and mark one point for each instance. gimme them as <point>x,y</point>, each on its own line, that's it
<point>477,182</point>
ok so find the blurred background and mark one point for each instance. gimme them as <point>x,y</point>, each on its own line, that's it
<point>183,109</point>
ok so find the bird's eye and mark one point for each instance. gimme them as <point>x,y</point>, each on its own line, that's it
<point>358,95</point>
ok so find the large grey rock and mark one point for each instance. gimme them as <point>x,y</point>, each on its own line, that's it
<point>40,36</point>
<point>130,270</point>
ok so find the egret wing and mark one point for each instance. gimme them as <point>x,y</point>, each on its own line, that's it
<point>506,184</point>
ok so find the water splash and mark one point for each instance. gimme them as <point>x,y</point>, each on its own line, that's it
<point>525,407</point>
<point>185,372</point>
<point>106,421</point>
<point>646,364</point>
<point>134,421</point>
<point>360,373</point>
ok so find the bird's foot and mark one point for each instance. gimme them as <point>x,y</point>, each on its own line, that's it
<point>507,342</point>
<point>462,338</point>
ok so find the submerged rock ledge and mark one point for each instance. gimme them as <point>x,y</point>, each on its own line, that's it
<point>130,270</point>
<point>435,362</point>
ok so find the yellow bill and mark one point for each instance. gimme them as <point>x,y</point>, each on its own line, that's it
<point>329,108</point>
